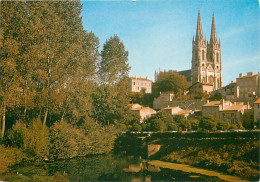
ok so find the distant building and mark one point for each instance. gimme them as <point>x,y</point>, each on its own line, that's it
<point>233,114</point>
<point>257,110</point>
<point>174,111</point>
<point>228,92</point>
<point>199,87</point>
<point>213,107</point>
<point>247,86</point>
<point>139,84</point>
<point>143,112</point>
<point>167,99</point>
<point>225,110</point>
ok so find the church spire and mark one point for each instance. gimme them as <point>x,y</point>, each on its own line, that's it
<point>213,37</point>
<point>199,35</point>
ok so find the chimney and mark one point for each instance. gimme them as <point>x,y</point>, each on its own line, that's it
<point>207,101</point>
<point>249,73</point>
<point>222,101</point>
<point>240,75</point>
<point>248,105</point>
<point>235,103</point>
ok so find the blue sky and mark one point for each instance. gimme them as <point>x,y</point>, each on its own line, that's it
<point>158,33</point>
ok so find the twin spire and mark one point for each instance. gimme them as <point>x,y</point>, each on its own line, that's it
<point>199,33</point>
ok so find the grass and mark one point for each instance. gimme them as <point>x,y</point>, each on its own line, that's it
<point>187,168</point>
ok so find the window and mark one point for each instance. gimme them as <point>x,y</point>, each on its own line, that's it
<point>232,114</point>
<point>133,83</point>
<point>223,115</point>
<point>203,53</point>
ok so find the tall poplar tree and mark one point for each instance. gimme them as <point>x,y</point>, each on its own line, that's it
<point>110,100</point>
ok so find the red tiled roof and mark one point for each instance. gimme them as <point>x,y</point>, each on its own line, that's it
<point>213,103</point>
<point>170,107</point>
<point>257,101</point>
<point>247,76</point>
<point>233,108</point>
<point>206,83</point>
<point>136,78</point>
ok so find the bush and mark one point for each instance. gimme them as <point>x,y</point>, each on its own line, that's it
<point>67,141</point>
<point>32,139</point>
<point>9,157</point>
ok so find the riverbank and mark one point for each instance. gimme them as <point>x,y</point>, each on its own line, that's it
<point>190,169</point>
<point>236,157</point>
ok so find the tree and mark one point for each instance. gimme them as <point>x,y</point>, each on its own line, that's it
<point>170,81</point>
<point>9,46</point>
<point>248,120</point>
<point>110,99</point>
<point>208,123</point>
<point>221,125</point>
<point>114,61</point>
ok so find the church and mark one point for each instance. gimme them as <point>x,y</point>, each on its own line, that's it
<point>205,74</point>
<point>206,57</point>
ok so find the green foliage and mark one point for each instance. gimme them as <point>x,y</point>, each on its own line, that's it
<point>145,99</point>
<point>33,139</point>
<point>9,157</point>
<point>248,120</point>
<point>234,156</point>
<point>101,139</point>
<point>194,124</point>
<point>208,123</point>
<point>67,141</point>
<point>114,61</point>
<point>170,81</point>
<point>171,126</point>
<point>216,96</point>
<point>221,125</point>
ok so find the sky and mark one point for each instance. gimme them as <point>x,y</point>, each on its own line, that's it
<point>158,33</point>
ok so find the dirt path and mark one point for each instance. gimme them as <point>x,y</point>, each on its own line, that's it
<point>187,168</point>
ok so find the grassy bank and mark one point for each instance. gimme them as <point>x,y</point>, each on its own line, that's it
<point>238,157</point>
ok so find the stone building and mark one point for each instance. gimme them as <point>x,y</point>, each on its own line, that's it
<point>257,110</point>
<point>139,84</point>
<point>226,110</point>
<point>143,112</point>
<point>167,99</point>
<point>206,57</point>
<point>201,87</point>
<point>174,111</point>
<point>233,114</point>
<point>248,86</point>
<point>213,107</point>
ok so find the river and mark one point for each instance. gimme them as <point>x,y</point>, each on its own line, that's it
<point>109,167</point>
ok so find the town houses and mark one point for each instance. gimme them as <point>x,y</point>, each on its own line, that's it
<point>226,103</point>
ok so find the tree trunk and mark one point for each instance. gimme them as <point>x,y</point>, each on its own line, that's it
<point>3,123</point>
<point>45,117</point>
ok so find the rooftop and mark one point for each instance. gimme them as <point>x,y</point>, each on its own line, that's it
<point>257,101</point>
<point>234,108</point>
<point>136,78</point>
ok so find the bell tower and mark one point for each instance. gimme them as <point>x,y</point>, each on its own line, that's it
<point>214,57</point>
<point>199,53</point>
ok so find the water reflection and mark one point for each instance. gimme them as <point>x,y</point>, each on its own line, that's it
<point>99,168</point>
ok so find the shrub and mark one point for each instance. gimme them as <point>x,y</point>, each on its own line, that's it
<point>32,139</point>
<point>9,157</point>
<point>67,141</point>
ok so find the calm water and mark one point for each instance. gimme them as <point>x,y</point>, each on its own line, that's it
<point>100,168</point>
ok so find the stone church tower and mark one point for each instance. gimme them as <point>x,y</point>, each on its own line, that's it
<point>206,57</point>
